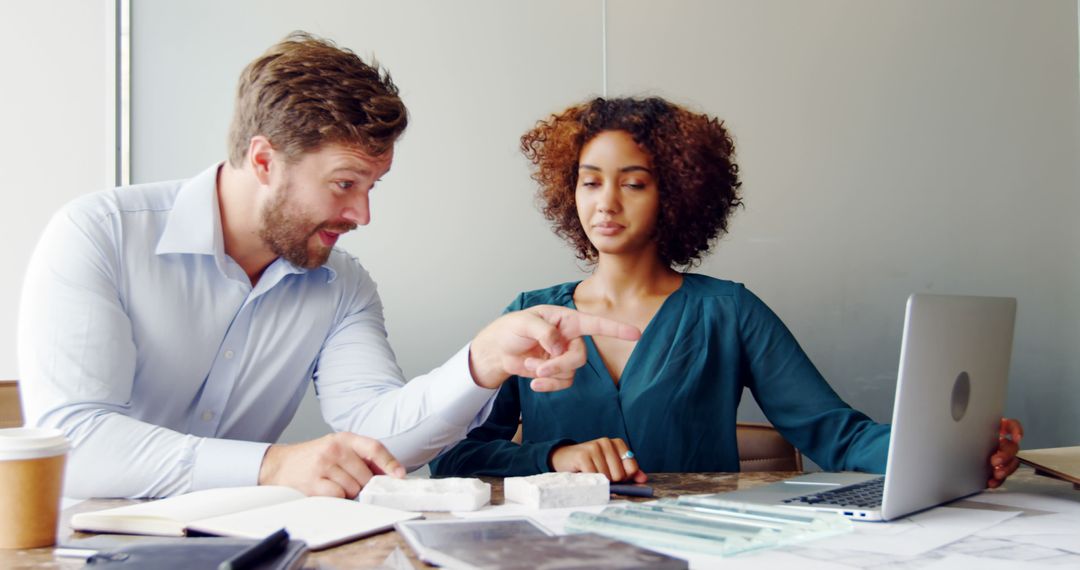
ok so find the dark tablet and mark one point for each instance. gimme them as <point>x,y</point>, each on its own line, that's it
<point>519,543</point>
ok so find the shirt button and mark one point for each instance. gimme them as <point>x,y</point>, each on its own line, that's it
<point>228,354</point>
<point>207,415</point>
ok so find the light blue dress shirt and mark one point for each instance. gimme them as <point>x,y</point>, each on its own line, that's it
<point>148,346</point>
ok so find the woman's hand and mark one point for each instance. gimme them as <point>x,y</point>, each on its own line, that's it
<point>1004,460</point>
<point>609,457</point>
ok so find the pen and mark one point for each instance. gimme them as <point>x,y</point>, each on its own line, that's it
<point>631,490</point>
<point>258,552</point>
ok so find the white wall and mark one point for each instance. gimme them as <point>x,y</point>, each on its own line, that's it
<point>57,123</point>
<point>886,148</point>
<point>889,148</point>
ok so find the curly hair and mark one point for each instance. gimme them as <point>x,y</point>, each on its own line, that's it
<point>305,92</point>
<point>692,155</point>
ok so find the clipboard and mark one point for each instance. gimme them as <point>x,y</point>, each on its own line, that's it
<point>1057,462</point>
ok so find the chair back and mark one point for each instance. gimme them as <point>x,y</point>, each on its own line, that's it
<point>762,448</point>
<point>10,406</point>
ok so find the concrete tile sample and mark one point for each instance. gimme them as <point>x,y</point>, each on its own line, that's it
<point>553,490</point>
<point>450,494</point>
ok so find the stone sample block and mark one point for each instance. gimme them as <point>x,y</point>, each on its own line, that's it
<point>450,494</point>
<point>554,490</point>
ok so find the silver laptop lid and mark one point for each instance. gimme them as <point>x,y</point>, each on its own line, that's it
<point>950,394</point>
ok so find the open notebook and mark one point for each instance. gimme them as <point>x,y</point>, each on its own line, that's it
<point>247,512</point>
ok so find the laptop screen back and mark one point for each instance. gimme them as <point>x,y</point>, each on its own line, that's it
<point>950,394</point>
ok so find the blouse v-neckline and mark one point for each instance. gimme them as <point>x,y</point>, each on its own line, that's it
<point>592,356</point>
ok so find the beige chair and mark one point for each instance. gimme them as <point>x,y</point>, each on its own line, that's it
<point>10,408</point>
<point>761,448</point>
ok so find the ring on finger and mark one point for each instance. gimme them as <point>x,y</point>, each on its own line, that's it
<point>628,455</point>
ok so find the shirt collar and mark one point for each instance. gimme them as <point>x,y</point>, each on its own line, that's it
<point>194,225</point>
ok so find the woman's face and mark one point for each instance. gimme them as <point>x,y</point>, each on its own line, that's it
<point>617,197</point>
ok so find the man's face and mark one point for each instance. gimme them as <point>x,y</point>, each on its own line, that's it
<point>316,199</point>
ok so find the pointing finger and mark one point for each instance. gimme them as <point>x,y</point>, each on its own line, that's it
<point>574,324</point>
<point>566,363</point>
<point>543,332</point>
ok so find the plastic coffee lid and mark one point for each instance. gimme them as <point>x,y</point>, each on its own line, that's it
<point>31,443</point>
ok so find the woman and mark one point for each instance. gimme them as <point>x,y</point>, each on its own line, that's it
<point>639,188</point>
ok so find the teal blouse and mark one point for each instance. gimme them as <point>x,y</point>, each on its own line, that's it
<point>675,404</point>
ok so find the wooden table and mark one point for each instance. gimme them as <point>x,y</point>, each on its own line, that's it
<point>372,551</point>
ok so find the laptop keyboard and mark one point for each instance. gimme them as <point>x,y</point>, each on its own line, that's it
<point>861,495</point>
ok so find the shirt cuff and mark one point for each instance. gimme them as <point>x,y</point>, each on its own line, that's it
<point>461,400</point>
<point>541,453</point>
<point>227,463</point>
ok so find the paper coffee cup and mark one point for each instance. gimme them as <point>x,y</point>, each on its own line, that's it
<point>31,480</point>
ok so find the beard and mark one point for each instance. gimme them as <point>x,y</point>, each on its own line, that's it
<point>288,231</point>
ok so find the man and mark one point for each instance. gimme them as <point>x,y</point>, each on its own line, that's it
<point>170,329</point>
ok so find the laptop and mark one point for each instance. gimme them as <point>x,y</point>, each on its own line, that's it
<point>950,394</point>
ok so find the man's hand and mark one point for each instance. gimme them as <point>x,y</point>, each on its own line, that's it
<point>543,342</point>
<point>335,465</point>
<point>603,455</point>
<point>1004,461</point>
